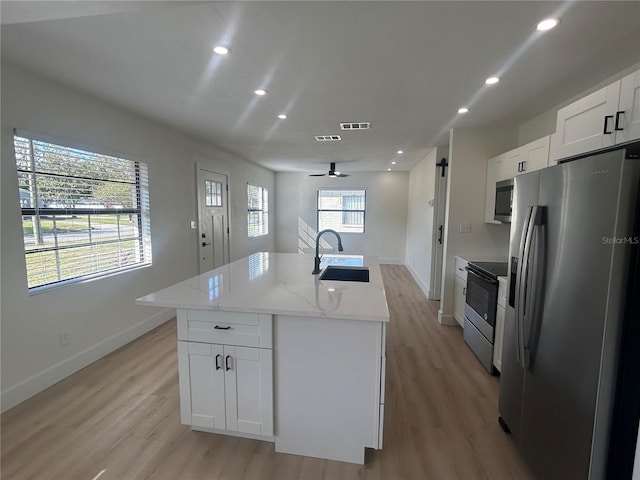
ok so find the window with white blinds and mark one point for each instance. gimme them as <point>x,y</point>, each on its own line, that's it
<point>257,211</point>
<point>341,210</point>
<point>84,214</point>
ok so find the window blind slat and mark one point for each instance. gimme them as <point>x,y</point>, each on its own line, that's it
<point>84,213</point>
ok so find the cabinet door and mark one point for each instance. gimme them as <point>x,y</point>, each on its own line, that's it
<point>535,155</point>
<point>630,105</point>
<point>498,338</point>
<point>249,387</point>
<point>513,159</point>
<point>580,126</point>
<point>459,296</point>
<point>493,166</point>
<point>202,384</point>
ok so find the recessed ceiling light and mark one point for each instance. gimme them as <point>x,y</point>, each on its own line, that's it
<point>260,92</point>
<point>463,110</point>
<point>393,163</point>
<point>492,80</point>
<point>547,24</point>
<point>400,152</point>
<point>220,50</point>
<point>282,116</point>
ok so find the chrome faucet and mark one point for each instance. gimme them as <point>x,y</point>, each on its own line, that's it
<point>316,260</point>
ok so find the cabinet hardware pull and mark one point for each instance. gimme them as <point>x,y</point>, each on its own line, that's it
<point>519,167</point>
<point>464,291</point>
<point>204,244</point>
<point>226,362</point>
<point>604,130</point>
<point>218,327</point>
<point>524,166</point>
<point>440,234</point>
<point>617,126</point>
<point>218,367</point>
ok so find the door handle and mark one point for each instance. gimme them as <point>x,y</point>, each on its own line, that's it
<point>524,298</point>
<point>606,119</point>
<point>204,244</point>
<point>617,125</point>
<point>218,366</point>
<point>226,363</point>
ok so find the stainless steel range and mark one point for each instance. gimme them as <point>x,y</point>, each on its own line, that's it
<point>480,308</point>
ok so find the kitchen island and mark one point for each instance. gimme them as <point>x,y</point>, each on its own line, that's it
<point>267,350</point>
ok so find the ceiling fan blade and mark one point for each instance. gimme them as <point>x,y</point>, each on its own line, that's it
<point>343,175</point>
<point>317,174</point>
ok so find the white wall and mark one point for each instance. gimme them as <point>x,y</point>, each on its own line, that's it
<point>420,220</point>
<point>100,315</point>
<point>469,150</point>
<point>385,217</point>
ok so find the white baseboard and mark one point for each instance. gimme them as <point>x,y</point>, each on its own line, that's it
<point>391,261</point>
<point>446,319</point>
<point>423,286</point>
<point>40,381</point>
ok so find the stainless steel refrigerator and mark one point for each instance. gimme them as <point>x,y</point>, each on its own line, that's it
<point>569,386</point>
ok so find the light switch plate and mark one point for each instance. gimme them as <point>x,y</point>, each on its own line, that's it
<point>194,225</point>
<point>465,227</point>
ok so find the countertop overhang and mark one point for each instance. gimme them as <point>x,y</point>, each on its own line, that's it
<point>280,284</point>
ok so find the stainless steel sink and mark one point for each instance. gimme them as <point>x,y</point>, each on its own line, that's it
<point>345,274</point>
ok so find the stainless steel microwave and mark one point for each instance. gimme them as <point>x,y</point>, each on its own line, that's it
<point>504,201</point>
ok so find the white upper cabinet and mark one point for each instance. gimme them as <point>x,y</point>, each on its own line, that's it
<point>606,117</point>
<point>630,105</point>
<point>527,158</point>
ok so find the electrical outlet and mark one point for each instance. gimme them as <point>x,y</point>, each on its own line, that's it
<point>64,339</point>
<point>465,227</point>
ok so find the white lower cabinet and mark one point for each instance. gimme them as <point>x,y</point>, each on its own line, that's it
<point>498,338</point>
<point>226,388</point>
<point>499,330</point>
<point>460,290</point>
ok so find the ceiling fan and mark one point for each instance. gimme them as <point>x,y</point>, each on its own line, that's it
<point>332,172</point>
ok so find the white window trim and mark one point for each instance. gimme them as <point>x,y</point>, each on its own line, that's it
<point>348,189</point>
<point>264,211</point>
<point>144,213</point>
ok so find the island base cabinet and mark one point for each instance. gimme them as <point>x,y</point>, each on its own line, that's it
<point>328,386</point>
<point>226,388</point>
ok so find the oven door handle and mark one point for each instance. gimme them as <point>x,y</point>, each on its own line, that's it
<point>484,278</point>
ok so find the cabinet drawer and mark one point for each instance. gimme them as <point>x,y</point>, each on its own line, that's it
<point>461,268</point>
<point>228,328</point>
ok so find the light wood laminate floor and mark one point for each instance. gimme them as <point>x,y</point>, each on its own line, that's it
<point>120,416</point>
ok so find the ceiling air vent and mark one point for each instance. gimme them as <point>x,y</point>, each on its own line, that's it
<point>328,138</point>
<point>355,126</point>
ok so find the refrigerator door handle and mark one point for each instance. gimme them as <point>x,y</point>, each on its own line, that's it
<point>520,287</point>
<point>530,288</point>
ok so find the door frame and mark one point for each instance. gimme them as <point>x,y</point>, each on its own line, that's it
<point>210,167</point>
<point>439,219</point>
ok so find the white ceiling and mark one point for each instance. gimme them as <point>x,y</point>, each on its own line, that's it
<point>406,67</point>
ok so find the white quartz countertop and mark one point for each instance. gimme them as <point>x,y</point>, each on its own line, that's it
<point>281,284</point>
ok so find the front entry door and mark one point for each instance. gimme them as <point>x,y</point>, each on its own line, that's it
<point>213,210</point>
